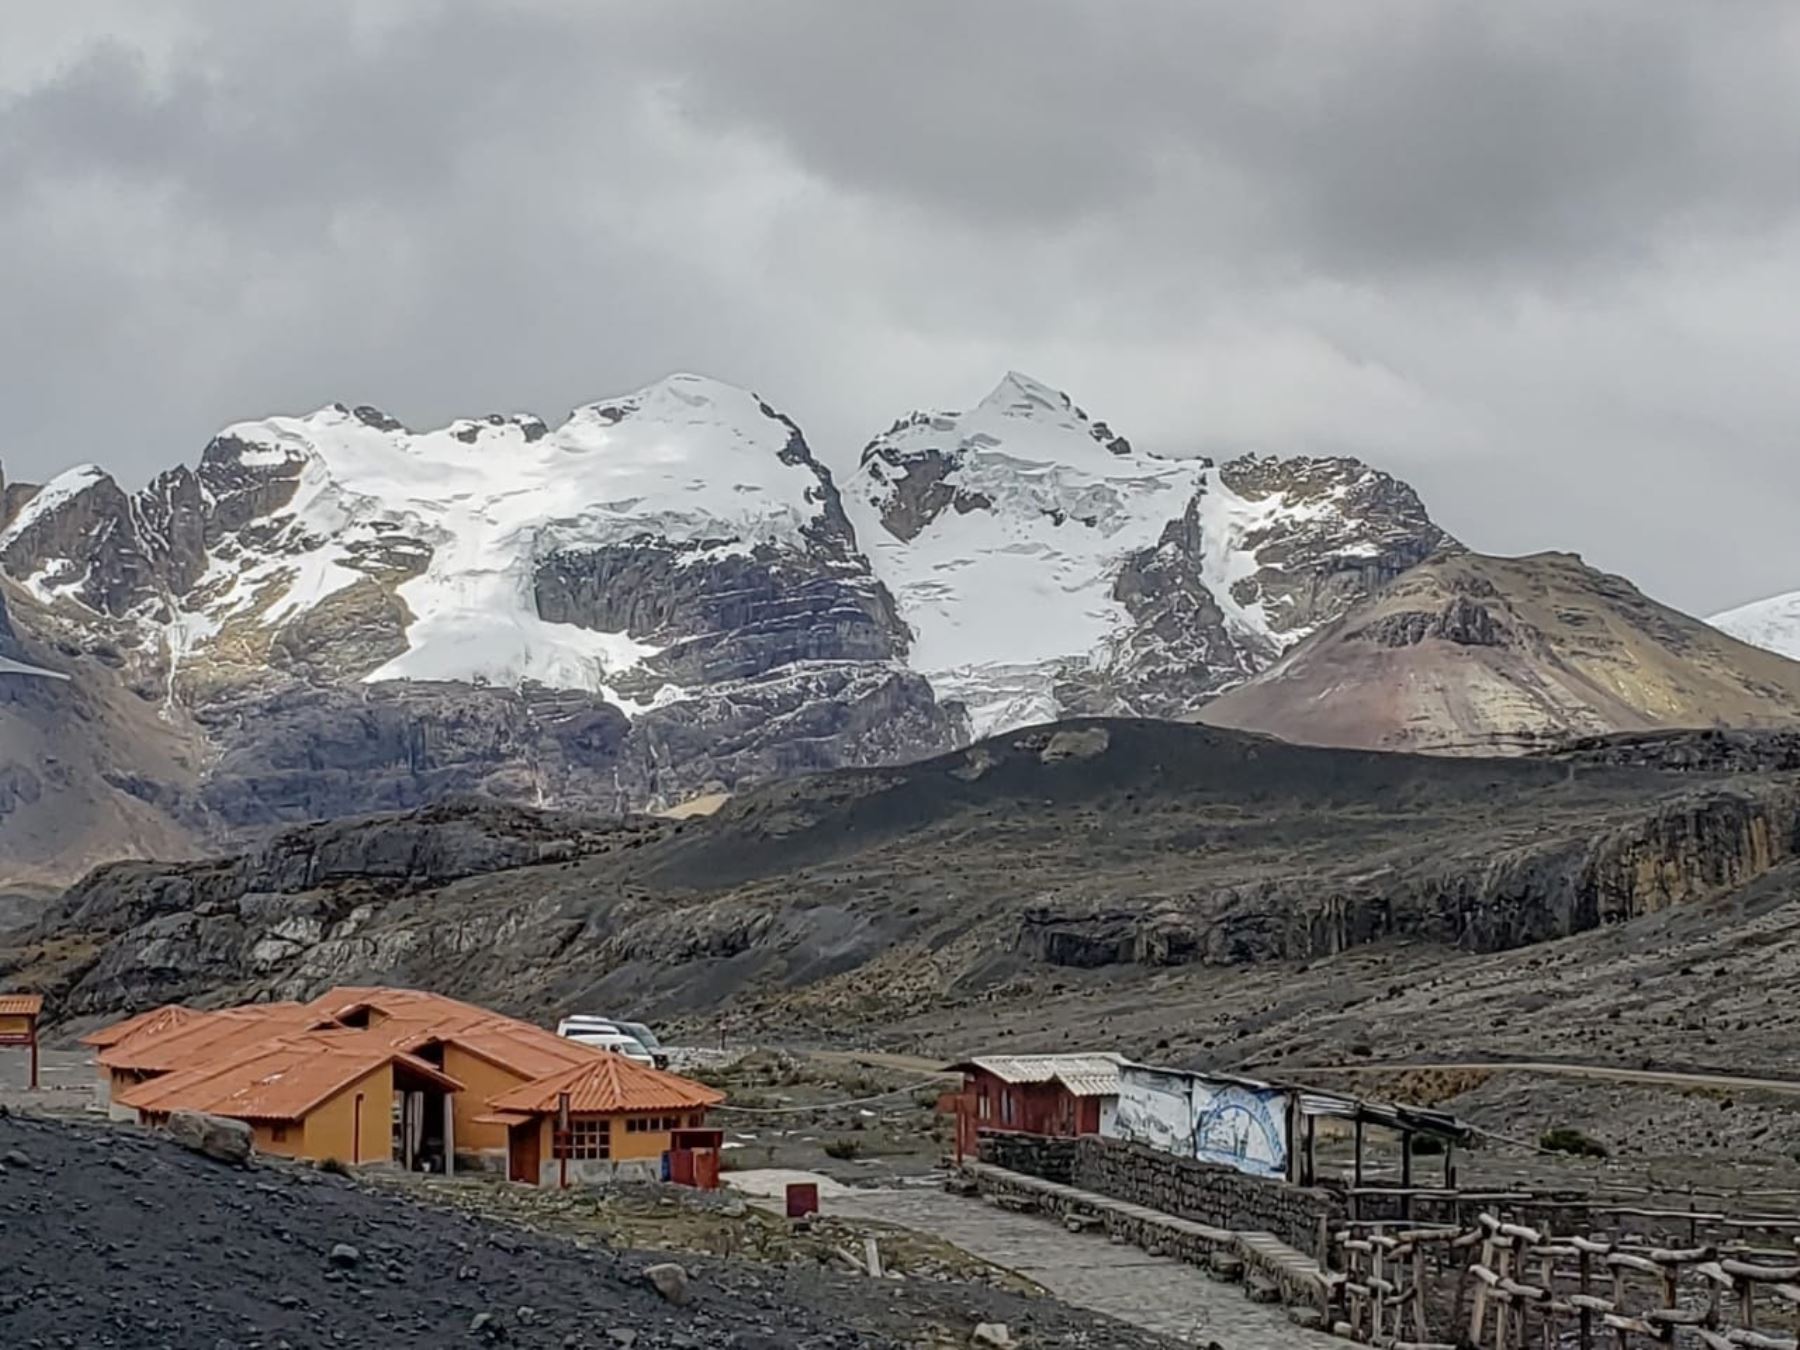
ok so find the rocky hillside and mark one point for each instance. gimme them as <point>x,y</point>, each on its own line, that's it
<point>664,596</point>
<point>1048,567</point>
<point>840,903</point>
<point>88,770</point>
<point>278,1254</point>
<point>1471,654</point>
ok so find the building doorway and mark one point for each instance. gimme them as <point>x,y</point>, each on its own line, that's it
<point>522,1149</point>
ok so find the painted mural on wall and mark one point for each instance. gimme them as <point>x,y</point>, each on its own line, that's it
<point>1213,1121</point>
<point>1245,1128</point>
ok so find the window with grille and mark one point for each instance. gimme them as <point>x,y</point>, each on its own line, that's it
<point>278,1134</point>
<point>651,1124</point>
<point>585,1139</point>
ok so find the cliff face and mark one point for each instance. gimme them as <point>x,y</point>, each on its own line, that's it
<point>862,895</point>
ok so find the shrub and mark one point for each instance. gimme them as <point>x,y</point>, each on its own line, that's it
<point>844,1149</point>
<point>1427,1146</point>
<point>1568,1139</point>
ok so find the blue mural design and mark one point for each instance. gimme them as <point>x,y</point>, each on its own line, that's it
<point>1241,1128</point>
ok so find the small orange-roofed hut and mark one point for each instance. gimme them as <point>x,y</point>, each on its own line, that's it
<point>19,1015</point>
<point>602,1119</point>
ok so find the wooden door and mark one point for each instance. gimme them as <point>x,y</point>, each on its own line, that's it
<point>522,1148</point>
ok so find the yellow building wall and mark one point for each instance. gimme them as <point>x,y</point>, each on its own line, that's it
<point>330,1127</point>
<point>627,1146</point>
<point>14,1024</point>
<point>288,1146</point>
<point>481,1082</point>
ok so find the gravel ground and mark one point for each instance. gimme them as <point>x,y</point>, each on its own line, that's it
<point>114,1238</point>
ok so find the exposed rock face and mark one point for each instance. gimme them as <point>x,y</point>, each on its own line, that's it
<point>1046,566</point>
<point>864,894</point>
<point>1469,654</point>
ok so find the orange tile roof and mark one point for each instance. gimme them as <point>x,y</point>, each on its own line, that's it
<point>414,1019</point>
<point>21,1005</point>
<point>204,1037</point>
<point>609,1083</point>
<point>282,1078</point>
<point>527,1051</point>
<point>224,1056</point>
<point>150,1023</point>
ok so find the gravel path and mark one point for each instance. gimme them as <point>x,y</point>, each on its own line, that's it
<point>114,1238</point>
<point>1154,1292</point>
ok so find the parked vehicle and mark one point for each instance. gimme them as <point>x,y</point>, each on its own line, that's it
<point>646,1038</point>
<point>588,1028</point>
<point>615,1041</point>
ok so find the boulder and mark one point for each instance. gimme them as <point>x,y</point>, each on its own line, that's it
<point>669,1280</point>
<point>229,1141</point>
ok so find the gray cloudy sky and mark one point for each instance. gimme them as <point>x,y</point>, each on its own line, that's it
<point>1539,257</point>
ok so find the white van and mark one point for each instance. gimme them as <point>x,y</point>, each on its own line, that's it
<point>602,1035</point>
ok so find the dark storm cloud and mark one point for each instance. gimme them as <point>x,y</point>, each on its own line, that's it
<point>1377,135</point>
<point>1530,255</point>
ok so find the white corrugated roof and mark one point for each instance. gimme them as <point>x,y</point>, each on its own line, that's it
<point>1090,1075</point>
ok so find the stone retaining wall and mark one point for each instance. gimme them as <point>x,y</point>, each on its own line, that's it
<point>1036,1155</point>
<point>1202,1192</point>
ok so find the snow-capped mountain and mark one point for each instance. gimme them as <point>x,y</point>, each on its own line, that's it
<point>1772,624</point>
<point>666,596</point>
<point>660,597</point>
<point>1045,566</point>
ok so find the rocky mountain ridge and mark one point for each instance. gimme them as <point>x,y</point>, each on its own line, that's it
<point>664,596</point>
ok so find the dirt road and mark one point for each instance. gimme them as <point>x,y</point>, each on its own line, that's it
<point>1610,1072</point>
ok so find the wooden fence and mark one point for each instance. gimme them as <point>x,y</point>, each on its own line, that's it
<point>1511,1286</point>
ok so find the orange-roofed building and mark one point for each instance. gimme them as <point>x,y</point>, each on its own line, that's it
<point>602,1119</point>
<point>19,1015</point>
<point>484,1053</point>
<point>174,1043</point>
<point>318,1095</point>
<point>150,1024</point>
<point>487,1052</point>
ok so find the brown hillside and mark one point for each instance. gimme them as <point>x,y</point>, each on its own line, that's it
<point>1474,654</point>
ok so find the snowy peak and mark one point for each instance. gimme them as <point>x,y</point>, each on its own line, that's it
<point>1772,624</point>
<point>1045,566</point>
<point>343,539</point>
<point>1021,398</point>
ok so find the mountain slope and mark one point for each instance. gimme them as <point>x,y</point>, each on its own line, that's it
<point>1045,565</point>
<point>846,900</point>
<point>1772,624</point>
<point>1469,653</point>
<point>88,771</point>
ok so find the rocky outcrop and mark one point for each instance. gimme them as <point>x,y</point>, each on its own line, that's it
<point>862,894</point>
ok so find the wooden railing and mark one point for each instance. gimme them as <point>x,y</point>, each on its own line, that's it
<point>1507,1286</point>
